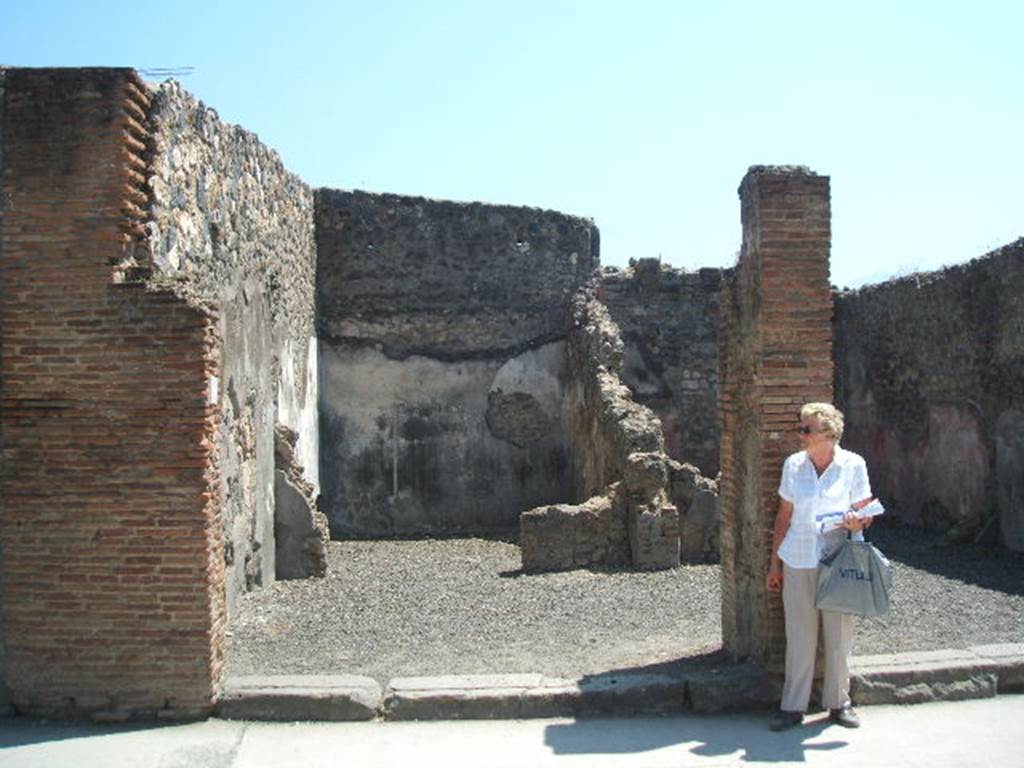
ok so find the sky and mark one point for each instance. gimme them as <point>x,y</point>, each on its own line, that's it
<point>641,115</point>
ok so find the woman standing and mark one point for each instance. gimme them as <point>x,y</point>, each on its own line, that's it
<point>820,479</point>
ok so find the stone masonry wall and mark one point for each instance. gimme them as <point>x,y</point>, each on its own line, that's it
<point>112,574</point>
<point>608,425</point>
<point>668,319</point>
<point>775,355</point>
<point>230,227</point>
<point>442,332</point>
<point>928,372</point>
<point>5,699</point>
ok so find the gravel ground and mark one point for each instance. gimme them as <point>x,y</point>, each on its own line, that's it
<point>944,596</point>
<point>461,606</point>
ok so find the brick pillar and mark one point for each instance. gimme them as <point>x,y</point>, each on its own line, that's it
<point>775,355</point>
<point>112,571</point>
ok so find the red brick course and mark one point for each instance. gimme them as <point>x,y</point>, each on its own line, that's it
<point>112,570</point>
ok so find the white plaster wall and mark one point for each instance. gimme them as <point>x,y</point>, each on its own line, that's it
<point>298,406</point>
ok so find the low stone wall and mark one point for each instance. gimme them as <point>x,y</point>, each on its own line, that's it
<point>230,228</point>
<point>564,536</point>
<point>928,372</point>
<point>668,321</point>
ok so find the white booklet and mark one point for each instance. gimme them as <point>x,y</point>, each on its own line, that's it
<point>830,521</point>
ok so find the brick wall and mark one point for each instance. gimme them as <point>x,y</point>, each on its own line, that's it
<point>775,355</point>
<point>112,574</point>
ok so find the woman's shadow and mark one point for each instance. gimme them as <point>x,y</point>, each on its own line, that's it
<point>744,736</point>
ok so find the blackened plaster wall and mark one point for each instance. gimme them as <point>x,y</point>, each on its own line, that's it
<point>442,333</point>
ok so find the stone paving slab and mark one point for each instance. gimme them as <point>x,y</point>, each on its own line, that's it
<point>905,678</point>
<point>333,698</point>
<point>521,696</point>
<point>1009,659</point>
<point>950,675</point>
<point>733,689</point>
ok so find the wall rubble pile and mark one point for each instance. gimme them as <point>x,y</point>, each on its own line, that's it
<point>301,531</point>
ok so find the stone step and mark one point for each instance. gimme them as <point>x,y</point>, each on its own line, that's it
<point>299,697</point>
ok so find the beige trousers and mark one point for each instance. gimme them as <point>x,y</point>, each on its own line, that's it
<point>799,586</point>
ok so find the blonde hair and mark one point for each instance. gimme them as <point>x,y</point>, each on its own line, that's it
<point>830,417</point>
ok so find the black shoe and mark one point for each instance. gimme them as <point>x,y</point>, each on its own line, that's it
<point>844,716</point>
<point>783,720</point>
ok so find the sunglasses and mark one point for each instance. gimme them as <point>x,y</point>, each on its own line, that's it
<point>807,430</point>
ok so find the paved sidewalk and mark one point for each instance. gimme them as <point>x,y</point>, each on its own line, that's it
<point>979,733</point>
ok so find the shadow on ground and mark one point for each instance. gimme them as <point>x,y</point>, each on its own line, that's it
<point>745,738</point>
<point>990,567</point>
<point>22,732</point>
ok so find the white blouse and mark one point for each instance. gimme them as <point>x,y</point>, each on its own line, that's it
<point>844,482</point>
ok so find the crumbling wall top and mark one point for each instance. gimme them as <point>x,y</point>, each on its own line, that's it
<point>444,279</point>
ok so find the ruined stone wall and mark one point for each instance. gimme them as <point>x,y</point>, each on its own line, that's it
<point>629,493</point>
<point>443,367</point>
<point>230,227</point>
<point>5,700</point>
<point>112,573</point>
<point>928,372</point>
<point>608,424</point>
<point>775,355</point>
<point>668,319</point>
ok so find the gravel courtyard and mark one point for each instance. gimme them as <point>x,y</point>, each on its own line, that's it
<point>461,606</point>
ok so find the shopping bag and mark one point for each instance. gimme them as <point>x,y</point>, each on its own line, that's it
<point>857,579</point>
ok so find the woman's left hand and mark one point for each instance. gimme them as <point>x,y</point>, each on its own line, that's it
<point>853,523</point>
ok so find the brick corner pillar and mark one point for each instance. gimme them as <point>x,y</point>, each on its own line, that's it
<point>776,355</point>
<point>111,580</point>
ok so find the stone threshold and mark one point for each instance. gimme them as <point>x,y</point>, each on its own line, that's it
<point>905,678</point>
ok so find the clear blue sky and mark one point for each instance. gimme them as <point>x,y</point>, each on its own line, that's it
<point>641,115</point>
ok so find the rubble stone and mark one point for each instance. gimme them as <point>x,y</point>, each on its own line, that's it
<point>563,536</point>
<point>300,529</point>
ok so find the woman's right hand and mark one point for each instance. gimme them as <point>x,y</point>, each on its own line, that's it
<point>774,581</point>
